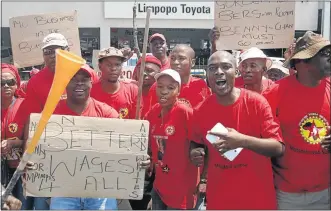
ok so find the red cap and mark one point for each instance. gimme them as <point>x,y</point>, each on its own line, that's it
<point>157,35</point>
<point>86,68</point>
<point>8,68</point>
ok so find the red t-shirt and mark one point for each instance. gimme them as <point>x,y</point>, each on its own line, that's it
<point>93,109</point>
<point>124,101</point>
<point>192,93</point>
<point>304,114</point>
<point>239,82</point>
<point>12,127</point>
<point>146,104</point>
<point>266,83</point>
<point>166,65</point>
<point>38,89</point>
<point>24,86</point>
<point>176,178</point>
<point>246,182</point>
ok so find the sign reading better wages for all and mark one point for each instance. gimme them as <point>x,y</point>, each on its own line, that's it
<point>28,32</point>
<point>262,24</point>
<point>88,157</point>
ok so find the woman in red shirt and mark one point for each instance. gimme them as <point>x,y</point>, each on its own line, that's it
<point>176,178</point>
<point>12,125</point>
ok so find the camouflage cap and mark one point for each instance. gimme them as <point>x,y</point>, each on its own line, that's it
<point>308,46</point>
<point>111,51</point>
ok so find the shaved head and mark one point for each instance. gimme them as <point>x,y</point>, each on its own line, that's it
<point>190,52</point>
<point>223,54</point>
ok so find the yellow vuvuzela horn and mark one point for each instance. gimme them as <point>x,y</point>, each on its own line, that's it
<point>67,65</point>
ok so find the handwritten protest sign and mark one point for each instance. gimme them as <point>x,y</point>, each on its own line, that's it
<point>27,33</point>
<point>262,24</point>
<point>88,157</point>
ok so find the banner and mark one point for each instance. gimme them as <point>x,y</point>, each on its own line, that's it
<point>262,24</point>
<point>88,157</point>
<point>28,32</point>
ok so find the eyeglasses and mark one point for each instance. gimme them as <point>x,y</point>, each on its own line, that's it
<point>10,82</point>
<point>51,51</point>
<point>325,52</point>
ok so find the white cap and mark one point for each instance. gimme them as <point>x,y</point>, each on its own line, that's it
<point>254,53</point>
<point>170,72</point>
<point>54,39</point>
<point>279,65</point>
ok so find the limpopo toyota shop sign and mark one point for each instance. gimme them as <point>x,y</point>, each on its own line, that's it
<point>161,10</point>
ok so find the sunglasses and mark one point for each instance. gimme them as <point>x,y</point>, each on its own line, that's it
<point>10,82</point>
<point>48,52</point>
<point>325,52</point>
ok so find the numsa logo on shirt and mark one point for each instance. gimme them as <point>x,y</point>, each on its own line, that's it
<point>12,127</point>
<point>313,128</point>
<point>123,112</point>
<point>170,130</point>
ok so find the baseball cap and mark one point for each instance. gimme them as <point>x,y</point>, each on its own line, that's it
<point>170,72</point>
<point>54,39</point>
<point>254,53</point>
<point>157,35</point>
<point>111,51</point>
<point>279,65</point>
<point>308,46</point>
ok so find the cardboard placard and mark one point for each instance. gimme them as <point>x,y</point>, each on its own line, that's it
<point>262,24</point>
<point>28,32</point>
<point>88,157</point>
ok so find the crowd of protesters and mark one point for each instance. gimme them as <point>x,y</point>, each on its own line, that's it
<point>278,114</point>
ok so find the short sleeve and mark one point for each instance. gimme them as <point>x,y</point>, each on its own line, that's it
<point>269,126</point>
<point>109,112</point>
<point>133,109</point>
<point>194,132</point>
<point>152,95</point>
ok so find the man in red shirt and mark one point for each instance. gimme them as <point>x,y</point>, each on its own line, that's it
<point>252,79</point>
<point>152,67</point>
<point>252,66</point>
<point>176,177</point>
<point>193,90</point>
<point>158,47</point>
<point>247,181</point>
<point>79,103</point>
<point>38,87</point>
<point>301,103</point>
<point>121,95</point>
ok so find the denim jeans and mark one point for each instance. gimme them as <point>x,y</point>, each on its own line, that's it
<point>66,203</point>
<point>35,203</point>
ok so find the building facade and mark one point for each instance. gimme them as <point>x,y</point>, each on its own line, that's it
<point>103,24</point>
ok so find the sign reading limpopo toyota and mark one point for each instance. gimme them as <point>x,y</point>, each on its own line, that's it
<point>161,10</point>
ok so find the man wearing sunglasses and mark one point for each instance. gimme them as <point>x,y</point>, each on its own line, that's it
<point>301,103</point>
<point>39,85</point>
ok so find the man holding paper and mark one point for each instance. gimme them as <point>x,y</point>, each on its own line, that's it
<point>243,178</point>
<point>79,103</point>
